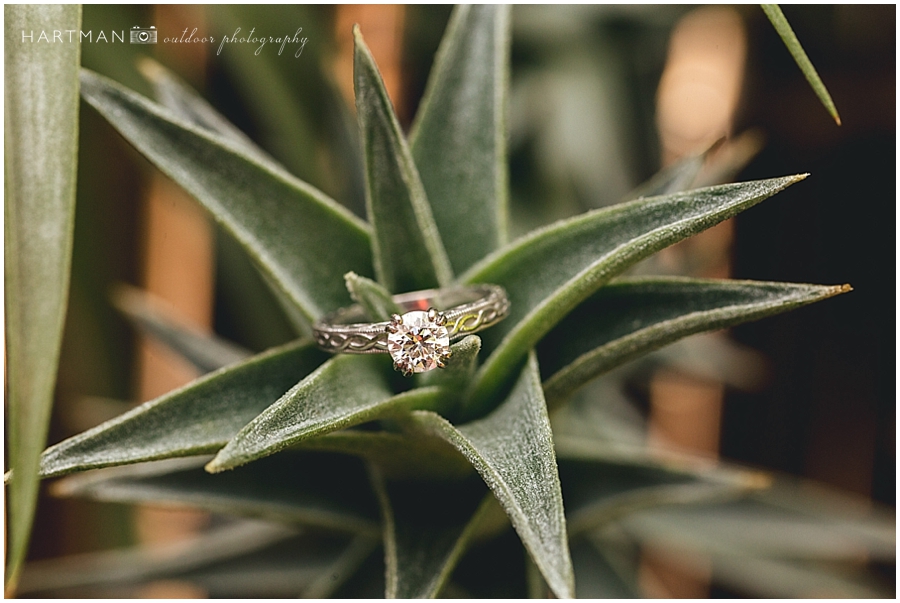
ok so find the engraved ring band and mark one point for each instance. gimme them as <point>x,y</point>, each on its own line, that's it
<point>419,339</point>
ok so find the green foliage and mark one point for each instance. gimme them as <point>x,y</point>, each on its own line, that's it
<point>375,299</point>
<point>784,29</point>
<point>632,316</point>
<point>40,149</point>
<point>407,249</point>
<point>521,471</point>
<point>459,137</point>
<point>196,419</point>
<point>346,452</point>
<point>287,226</point>
<point>549,272</point>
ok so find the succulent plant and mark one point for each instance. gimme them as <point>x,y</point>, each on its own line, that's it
<point>348,461</point>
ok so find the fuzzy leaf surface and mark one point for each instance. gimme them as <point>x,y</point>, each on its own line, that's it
<point>631,317</point>
<point>406,246</point>
<point>345,391</point>
<point>550,271</point>
<point>327,491</point>
<point>512,449</point>
<point>40,150</point>
<point>198,418</point>
<point>459,138</point>
<point>303,241</point>
<point>375,299</point>
<point>427,526</point>
<point>455,376</point>
<point>187,104</point>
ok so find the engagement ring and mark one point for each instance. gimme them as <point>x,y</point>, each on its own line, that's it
<point>419,339</point>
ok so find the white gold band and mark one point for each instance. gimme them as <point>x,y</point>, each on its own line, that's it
<point>464,310</point>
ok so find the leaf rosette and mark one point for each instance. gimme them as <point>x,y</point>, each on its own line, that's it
<point>438,463</point>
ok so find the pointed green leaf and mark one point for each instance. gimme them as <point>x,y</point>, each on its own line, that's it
<point>205,351</point>
<point>549,272</point>
<point>459,137</point>
<point>631,317</point>
<point>717,165</point>
<point>374,298</point>
<point>303,241</point>
<point>407,248</point>
<point>512,449</point>
<point>199,418</point>
<point>323,490</point>
<point>345,391</point>
<point>40,146</point>
<point>781,25</point>
<point>427,527</point>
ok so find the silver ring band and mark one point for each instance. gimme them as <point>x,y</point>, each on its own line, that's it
<point>467,310</point>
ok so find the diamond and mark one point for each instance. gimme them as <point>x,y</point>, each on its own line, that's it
<point>418,341</point>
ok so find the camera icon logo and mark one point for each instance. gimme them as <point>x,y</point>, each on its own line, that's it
<point>143,35</point>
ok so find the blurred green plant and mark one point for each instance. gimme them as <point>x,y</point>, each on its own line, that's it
<point>450,461</point>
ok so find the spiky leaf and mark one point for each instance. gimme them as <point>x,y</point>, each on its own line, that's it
<point>407,248</point>
<point>549,272</point>
<point>345,391</point>
<point>631,317</point>
<point>459,137</point>
<point>374,298</point>
<point>199,418</point>
<point>287,226</point>
<point>40,146</point>
<point>512,449</point>
<point>427,526</point>
<point>784,29</point>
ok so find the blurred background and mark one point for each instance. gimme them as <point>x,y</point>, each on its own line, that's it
<point>602,97</point>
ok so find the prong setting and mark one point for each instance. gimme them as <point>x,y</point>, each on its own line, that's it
<point>418,341</point>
